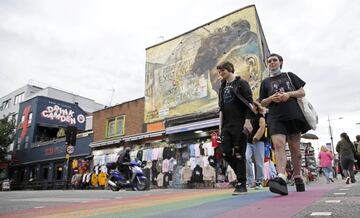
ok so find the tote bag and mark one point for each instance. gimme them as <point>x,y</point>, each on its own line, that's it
<point>307,109</point>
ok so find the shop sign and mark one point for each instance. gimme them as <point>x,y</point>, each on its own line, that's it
<point>52,151</point>
<point>62,115</point>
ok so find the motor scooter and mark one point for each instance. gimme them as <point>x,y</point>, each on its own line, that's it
<point>117,181</point>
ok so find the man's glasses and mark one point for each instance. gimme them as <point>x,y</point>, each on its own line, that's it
<point>273,60</point>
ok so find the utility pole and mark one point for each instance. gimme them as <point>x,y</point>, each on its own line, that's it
<point>112,95</point>
<point>331,133</point>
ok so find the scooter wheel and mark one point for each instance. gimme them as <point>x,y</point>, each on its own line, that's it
<point>141,185</point>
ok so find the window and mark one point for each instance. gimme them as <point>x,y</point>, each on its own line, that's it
<point>59,172</point>
<point>29,118</point>
<point>27,141</point>
<point>32,176</point>
<point>19,98</point>
<point>5,104</point>
<point>45,173</point>
<point>115,127</point>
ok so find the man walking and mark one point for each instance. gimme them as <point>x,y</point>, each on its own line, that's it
<point>235,102</point>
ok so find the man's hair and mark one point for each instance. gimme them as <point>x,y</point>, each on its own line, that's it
<point>226,65</point>
<point>278,56</point>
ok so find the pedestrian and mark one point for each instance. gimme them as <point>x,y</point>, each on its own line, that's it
<point>357,147</point>
<point>123,162</point>
<point>286,122</point>
<point>255,148</point>
<point>347,152</point>
<point>326,157</point>
<point>235,102</point>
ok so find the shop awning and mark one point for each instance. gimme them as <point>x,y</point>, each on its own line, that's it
<point>127,139</point>
<point>192,126</point>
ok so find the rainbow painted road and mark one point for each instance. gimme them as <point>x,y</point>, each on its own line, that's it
<point>185,203</point>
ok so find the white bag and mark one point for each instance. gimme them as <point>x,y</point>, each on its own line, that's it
<point>308,110</point>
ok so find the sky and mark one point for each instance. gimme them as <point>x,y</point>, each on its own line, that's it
<point>97,48</point>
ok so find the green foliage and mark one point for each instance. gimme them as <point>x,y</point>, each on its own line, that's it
<point>7,134</point>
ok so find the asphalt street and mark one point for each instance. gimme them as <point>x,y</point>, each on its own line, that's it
<point>320,200</point>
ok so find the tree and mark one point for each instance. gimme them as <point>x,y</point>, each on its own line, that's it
<point>7,134</point>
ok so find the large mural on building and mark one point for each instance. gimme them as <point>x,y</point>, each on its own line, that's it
<point>181,76</point>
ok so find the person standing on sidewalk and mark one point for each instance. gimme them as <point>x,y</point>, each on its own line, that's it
<point>286,121</point>
<point>326,157</point>
<point>357,156</point>
<point>235,102</point>
<point>347,152</point>
<point>255,148</point>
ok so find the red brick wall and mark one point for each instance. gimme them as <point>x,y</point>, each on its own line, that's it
<point>134,118</point>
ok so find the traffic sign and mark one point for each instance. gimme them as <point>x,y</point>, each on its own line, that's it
<point>70,149</point>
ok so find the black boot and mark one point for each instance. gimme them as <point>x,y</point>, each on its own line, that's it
<point>240,187</point>
<point>299,183</point>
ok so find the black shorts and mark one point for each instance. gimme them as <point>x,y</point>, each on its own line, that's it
<point>231,137</point>
<point>289,127</point>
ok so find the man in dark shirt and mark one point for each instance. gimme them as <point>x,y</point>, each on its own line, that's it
<point>235,102</point>
<point>123,162</point>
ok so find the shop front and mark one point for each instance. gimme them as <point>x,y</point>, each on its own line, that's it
<point>45,167</point>
<point>39,156</point>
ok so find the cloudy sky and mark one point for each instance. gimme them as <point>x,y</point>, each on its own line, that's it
<point>91,47</point>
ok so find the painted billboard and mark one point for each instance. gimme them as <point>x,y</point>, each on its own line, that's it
<point>181,76</point>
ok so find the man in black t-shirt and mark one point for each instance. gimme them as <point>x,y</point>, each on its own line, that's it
<point>235,102</point>
<point>279,93</point>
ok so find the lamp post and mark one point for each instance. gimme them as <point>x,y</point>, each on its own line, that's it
<point>330,131</point>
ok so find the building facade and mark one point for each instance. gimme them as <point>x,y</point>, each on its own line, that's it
<point>39,156</point>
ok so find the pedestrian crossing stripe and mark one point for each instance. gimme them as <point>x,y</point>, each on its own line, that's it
<point>340,193</point>
<point>332,201</point>
<point>344,189</point>
<point>320,214</point>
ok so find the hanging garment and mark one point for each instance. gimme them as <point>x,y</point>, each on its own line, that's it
<point>94,180</point>
<point>160,180</point>
<point>165,166</point>
<point>197,175</point>
<point>102,179</point>
<point>186,173</point>
<point>209,173</point>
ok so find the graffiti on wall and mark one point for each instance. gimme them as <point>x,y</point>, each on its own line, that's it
<point>181,76</point>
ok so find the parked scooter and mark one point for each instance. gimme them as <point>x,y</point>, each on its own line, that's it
<point>138,181</point>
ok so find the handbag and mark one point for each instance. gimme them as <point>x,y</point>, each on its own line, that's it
<point>307,109</point>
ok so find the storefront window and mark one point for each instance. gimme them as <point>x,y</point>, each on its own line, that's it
<point>59,173</point>
<point>44,133</point>
<point>32,176</point>
<point>22,175</point>
<point>115,126</point>
<point>45,173</point>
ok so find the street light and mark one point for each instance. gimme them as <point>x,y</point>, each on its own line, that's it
<point>330,131</point>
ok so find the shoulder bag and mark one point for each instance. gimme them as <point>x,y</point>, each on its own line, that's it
<point>307,109</point>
